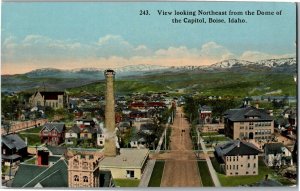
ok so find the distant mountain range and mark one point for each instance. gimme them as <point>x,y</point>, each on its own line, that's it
<point>271,65</point>
<point>60,79</point>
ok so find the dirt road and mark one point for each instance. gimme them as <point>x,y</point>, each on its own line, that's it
<point>181,169</point>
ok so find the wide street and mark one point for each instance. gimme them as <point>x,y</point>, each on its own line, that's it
<point>181,169</point>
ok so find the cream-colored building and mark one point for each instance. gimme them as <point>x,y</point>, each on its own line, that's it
<point>52,99</point>
<point>238,157</point>
<point>83,171</point>
<point>248,123</point>
<point>130,163</point>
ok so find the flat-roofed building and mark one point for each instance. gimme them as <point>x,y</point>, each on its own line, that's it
<point>130,163</point>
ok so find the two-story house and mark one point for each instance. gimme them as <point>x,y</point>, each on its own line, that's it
<point>53,133</point>
<point>238,158</point>
<point>205,114</point>
<point>13,149</point>
<point>276,154</point>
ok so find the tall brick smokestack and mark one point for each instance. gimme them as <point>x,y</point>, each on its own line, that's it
<point>110,143</point>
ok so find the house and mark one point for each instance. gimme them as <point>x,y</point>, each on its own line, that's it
<point>155,105</point>
<point>129,164</point>
<point>138,141</point>
<point>205,114</point>
<point>137,105</point>
<point>13,149</point>
<point>124,125</point>
<point>85,121</point>
<point>238,158</point>
<point>52,99</point>
<point>53,133</point>
<point>88,133</point>
<point>72,135</point>
<point>276,154</point>
<point>248,122</point>
<point>100,137</point>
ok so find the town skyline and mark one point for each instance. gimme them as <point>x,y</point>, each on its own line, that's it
<point>82,35</point>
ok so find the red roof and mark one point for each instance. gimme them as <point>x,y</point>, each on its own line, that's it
<point>156,104</point>
<point>137,104</point>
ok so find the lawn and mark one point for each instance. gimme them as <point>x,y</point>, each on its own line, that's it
<point>247,180</point>
<point>205,174</point>
<point>215,139</point>
<point>209,134</point>
<point>30,161</point>
<point>32,130</point>
<point>32,139</point>
<point>127,182</point>
<point>157,174</point>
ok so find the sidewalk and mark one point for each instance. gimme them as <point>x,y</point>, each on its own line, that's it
<point>150,165</point>
<point>209,164</point>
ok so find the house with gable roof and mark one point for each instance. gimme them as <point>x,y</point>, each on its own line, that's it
<point>53,133</point>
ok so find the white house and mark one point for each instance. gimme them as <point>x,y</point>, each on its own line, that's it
<point>72,135</point>
<point>276,154</point>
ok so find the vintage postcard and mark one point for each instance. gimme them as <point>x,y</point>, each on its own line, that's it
<point>149,94</point>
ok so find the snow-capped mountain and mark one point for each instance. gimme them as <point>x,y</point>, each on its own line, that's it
<point>277,62</point>
<point>283,64</point>
<point>140,68</point>
<point>231,63</point>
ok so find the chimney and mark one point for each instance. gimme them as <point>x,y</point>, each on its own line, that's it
<point>110,144</point>
<point>43,158</point>
<point>238,144</point>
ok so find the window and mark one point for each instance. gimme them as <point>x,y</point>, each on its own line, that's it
<point>85,179</point>
<point>248,165</point>
<point>76,178</point>
<point>241,165</point>
<point>254,156</point>
<point>247,172</point>
<point>230,167</point>
<point>237,167</point>
<point>236,173</point>
<point>254,172</point>
<point>233,158</point>
<point>248,156</point>
<point>233,167</point>
<point>241,127</point>
<point>227,167</point>
<point>230,158</point>
<point>254,165</point>
<point>237,158</point>
<point>130,173</point>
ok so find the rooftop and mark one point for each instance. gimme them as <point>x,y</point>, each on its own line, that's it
<point>236,147</point>
<point>134,158</point>
<point>247,113</point>
<point>13,141</point>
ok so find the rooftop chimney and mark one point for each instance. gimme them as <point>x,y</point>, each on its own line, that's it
<point>43,157</point>
<point>110,143</point>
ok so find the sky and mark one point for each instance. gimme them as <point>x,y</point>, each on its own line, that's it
<point>70,35</point>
